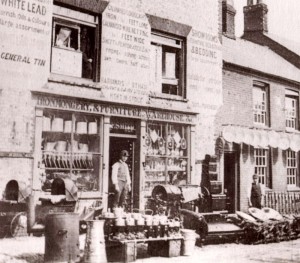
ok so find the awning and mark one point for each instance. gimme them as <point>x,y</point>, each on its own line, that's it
<point>260,138</point>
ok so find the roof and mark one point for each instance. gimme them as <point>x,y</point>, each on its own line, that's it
<point>287,43</point>
<point>257,57</point>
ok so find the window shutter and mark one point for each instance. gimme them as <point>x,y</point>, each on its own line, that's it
<point>156,68</point>
<point>297,171</point>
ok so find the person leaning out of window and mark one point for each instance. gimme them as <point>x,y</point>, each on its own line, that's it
<point>256,193</point>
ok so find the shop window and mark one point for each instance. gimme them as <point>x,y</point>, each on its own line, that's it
<point>167,64</point>
<point>260,103</point>
<point>73,44</point>
<point>167,155</point>
<point>261,167</point>
<point>291,162</point>
<point>291,110</point>
<point>71,149</point>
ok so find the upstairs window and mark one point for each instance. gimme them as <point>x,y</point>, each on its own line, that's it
<point>73,43</point>
<point>291,110</point>
<point>167,64</point>
<point>260,106</point>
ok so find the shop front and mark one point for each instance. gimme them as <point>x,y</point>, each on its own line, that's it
<point>270,154</point>
<point>81,140</point>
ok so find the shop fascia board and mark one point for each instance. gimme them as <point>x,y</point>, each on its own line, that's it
<point>78,98</point>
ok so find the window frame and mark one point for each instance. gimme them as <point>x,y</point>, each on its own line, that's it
<point>179,48</point>
<point>294,96</point>
<point>292,166</point>
<point>264,88</point>
<point>262,166</point>
<point>71,18</point>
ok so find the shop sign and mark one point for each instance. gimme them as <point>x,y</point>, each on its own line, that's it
<point>204,76</point>
<point>123,126</point>
<point>113,110</point>
<point>204,85</point>
<point>125,60</point>
<point>25,30</point>
<point>25,27</point>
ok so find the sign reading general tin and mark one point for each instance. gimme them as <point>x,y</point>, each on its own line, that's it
<point>25,27</point>
<point>25,30</point>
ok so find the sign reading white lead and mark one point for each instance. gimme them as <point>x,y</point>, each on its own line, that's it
<point>24,5</point>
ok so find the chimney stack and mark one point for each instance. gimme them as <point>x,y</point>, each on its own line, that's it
<point>255,17</point>
<point>228,14</point>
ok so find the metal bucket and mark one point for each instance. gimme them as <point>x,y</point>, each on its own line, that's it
<point>189,240</point>
<point>62,238</point>
<point>94,250</point>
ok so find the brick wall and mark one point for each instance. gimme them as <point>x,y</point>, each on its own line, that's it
<point>237,110</point>
<point>18,169</point>
<point>237,100</point>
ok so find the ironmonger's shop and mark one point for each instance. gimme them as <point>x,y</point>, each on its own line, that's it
<point>81,140</point>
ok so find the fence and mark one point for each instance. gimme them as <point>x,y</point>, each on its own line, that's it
<point>284,203</point>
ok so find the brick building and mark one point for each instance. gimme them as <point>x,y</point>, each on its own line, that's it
<point>83,80</point>
<point>259,118</point>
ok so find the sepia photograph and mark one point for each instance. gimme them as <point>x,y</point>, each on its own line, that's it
<point>149,131</point>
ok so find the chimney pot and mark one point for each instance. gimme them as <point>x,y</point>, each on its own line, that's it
<point>228,14</point>
<point>255,17</point>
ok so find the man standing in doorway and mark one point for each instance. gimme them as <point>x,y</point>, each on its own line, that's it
<point>256,193</point>
<point>121,179</point>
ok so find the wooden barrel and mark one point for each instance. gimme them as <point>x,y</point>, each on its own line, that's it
<point>62,238</point>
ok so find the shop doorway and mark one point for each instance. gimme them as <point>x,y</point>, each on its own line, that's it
<point>230,181</point>
<point>116,146</point>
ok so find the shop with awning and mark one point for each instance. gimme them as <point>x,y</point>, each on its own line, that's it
<point>261,138</point>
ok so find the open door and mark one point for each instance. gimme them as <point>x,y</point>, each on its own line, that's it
<point>231,181</point>
<point>116,146</point>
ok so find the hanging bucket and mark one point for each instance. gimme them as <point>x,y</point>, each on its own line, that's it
<point>62,238</point>
<point>46,123</point>
<point>92,127</point>
<point>94,250</point>
<point>189,241</point>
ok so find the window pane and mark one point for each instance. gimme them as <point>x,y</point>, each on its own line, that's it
<point>291,168</point>
<point>291,112</point>
<point>261,164</point>
<point>259,105</point>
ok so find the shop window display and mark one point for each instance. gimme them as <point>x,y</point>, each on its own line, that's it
<point>71,149</point>
<point>166,161</point>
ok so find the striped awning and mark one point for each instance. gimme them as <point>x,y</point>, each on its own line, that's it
<point>260,138</point>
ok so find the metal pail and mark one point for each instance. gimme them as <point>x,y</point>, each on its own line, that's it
<point>62,238</point>
<point>94,250</point>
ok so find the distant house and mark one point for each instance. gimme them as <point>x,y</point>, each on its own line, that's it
<point>259,119</point>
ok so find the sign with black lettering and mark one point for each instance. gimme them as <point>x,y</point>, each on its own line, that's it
<point>25,27</point>
<point>25,30</point>
<point>125,63</point>
<point>204,88</point>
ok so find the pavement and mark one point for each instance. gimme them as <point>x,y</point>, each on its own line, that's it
<point>31,249</point>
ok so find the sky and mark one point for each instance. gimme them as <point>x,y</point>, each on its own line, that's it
<point>283,18</point>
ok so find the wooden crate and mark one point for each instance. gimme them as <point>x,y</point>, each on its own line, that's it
<point>170,248</point>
